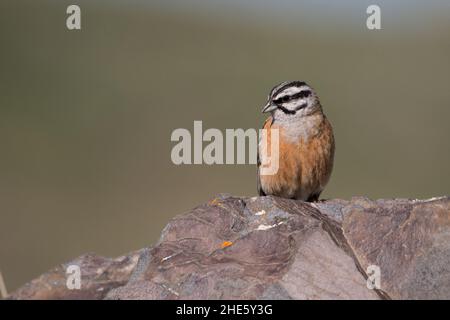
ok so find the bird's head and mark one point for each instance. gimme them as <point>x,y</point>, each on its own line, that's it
<point>291,100</point>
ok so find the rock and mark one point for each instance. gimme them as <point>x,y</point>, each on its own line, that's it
<point>408,240</point>
<point>99,275</point>
<point>273,248</point>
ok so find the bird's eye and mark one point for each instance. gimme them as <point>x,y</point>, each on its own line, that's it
<point>283,99</point>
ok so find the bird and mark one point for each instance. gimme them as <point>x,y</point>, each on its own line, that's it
<point>306,144</point>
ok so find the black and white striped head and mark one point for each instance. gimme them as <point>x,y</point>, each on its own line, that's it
<point>292,99</point>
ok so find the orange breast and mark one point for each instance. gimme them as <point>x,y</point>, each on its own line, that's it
<point>304,165</point>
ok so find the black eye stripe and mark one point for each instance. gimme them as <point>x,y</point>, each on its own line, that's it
<point>302,94</point>
<point>299,95</point>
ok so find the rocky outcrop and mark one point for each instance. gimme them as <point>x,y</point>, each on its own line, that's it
<point>273,248</point>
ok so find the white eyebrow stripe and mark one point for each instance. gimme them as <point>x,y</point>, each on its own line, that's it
<point>290,91</point>
<point>287,92</point>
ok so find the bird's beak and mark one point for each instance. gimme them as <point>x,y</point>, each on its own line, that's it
<point>269,107</point>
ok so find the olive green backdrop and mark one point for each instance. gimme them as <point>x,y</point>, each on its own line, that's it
<point>86,116</point>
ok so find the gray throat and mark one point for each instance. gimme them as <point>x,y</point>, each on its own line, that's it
<point>301,128</point>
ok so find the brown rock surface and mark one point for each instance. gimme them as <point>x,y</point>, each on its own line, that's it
<point>98,276</point>
<point>273,248</point>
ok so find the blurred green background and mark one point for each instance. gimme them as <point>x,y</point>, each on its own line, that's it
<point>86,116</point>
